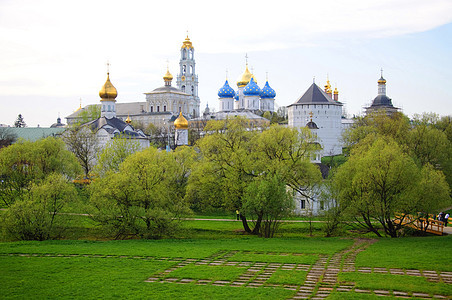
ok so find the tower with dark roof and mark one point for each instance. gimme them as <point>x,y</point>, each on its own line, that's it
<point>318,107</point>
<point>381,103</point>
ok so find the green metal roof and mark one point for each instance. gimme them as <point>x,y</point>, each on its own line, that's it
<point>35,133</point>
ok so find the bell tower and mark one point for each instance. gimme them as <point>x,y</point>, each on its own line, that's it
<point>187,79</point>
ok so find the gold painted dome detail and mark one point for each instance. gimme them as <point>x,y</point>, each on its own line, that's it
<point>168,76</point>
<point>336,92</point>
<point>381,80</point>
<point>108,92</point>
<point>245,78</point>
<point>328,87</point>
<point>181,122</point>
<point>128,120</point>
<point>187,43</point>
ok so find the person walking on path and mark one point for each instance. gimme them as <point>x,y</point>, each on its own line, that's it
<point>446,217</point>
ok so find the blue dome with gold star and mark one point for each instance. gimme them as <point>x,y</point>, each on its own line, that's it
<point>252,89</point>
<point>226,91</point>
<point>268,92</point>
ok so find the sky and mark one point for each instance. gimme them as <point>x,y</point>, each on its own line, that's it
<point>54,54</point>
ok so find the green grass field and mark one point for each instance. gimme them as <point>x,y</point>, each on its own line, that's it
<point>121,269</point>
<point>217,260</point>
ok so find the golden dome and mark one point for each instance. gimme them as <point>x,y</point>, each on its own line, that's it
<point>181,122</point>
<point>381,80</point>
<point>128,120</point>
<point>187,44</point>
<point>328,87</point>
<point>336,92</point>
<point>108,92</point>
<point>168,76</point>
<point>245,78</point>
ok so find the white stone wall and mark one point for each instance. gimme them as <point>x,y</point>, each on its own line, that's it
<point>252,102</point>
<point>226,104</point>
<point>328,119</point>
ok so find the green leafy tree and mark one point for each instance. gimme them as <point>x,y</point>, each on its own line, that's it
<point>226,166</point>
<point>116,151</point>
<point>36,217</point>
<point>144,198</point>
<point>267,199</point>
<point>25,164</point>
<point>380,183</point>
<point>232,157</point>
<point>89,113</point>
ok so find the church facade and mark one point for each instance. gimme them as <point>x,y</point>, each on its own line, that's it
<point>163,104</point>
<point>249,96</point>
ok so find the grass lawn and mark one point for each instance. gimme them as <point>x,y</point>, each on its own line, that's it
<point>105,278</point>
<point>288,277</point>
<point>190,248</point>
<point>213,273</point>
<point>424,253</point>
<point>46,275</point>
<point>287,258</point>
<point>403,283</point>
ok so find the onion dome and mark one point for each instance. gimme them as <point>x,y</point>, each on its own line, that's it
<point>245,78</point>
<point>328,87</point>
<point>168,76</point>
<point>226,91</point>
<point>252,89</point>
<point>381,80</point>
<point>267,91</point>
<point>181,122</point>
<point>108,92</point>
<point>336,92</point>
<point>236,97</point>
<point>187,44</point>
<point>128,120</point>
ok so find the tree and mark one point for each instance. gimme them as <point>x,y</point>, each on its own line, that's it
<point>233,156</point>
<point>267,199</point>
<point>84,143</point>
<point>114,153</point>
<point>20,121</point>
<point>25,164</point>
<point>89,113</point>
<point>380,183</point>
<point>396,126</point>
<point>225,165</point>
<point>36,217</point>
<point>7,137</point>
<point>142,199</point>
